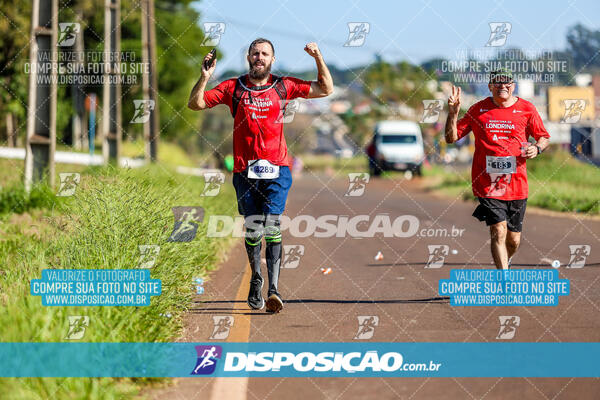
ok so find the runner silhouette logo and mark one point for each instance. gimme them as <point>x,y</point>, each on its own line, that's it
<point>148,255</point>
<point>579,253</point>
<point>77,326</point>
<point>498,34</point>
<point>187,220</point>
<point>287,111</point>
<point>574,109</point>
<point>67,33</point>
<point>143,108</point>
<point>358,184</point>
<point>208,357</point>
<point>212,183</point>
<point>212,33</point>
<point>366,326</point>
<point>68,183</point>
<point>291,255</point>
<point>431,111</point>
<point>222,326</point>
<point>437,255</point>
<point>357,33</point>
<point>508,326</point>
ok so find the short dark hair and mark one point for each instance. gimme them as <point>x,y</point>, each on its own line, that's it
<point>258,41</point>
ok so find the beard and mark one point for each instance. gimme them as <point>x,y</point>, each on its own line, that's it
<point>256,73</point>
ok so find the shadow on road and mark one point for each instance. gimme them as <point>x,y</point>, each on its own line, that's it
<point>233,310</point>
<point>514,266</point>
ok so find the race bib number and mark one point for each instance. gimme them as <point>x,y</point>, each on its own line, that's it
<point>262,169</point>
<point>500,165</point>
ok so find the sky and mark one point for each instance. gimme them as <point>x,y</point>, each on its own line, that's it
<point>414,31</point>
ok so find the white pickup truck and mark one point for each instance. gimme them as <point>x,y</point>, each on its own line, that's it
<point>396,145</point>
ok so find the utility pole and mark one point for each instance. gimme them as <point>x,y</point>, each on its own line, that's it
<point>11,133</point>
<point>150,80</point>
<point>79,130</point>
<point>41,107</point>
<point>112,132</point>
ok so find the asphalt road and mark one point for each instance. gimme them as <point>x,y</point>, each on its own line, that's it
<point>401,292</point>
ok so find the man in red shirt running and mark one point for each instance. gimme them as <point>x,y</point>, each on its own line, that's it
<point>502,125</point>
<point>261,173</point>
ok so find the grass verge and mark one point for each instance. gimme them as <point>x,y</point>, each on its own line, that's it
<point>322,162</point>
<point>112,212</point>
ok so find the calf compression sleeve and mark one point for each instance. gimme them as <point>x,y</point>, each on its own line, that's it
<point>273,252</point>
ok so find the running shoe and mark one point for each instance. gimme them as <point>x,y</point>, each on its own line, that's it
<point>274,303</point>
<point>255,298</point>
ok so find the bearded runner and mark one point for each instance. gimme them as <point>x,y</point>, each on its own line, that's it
<point>261,173</point>
<point>503,126</point>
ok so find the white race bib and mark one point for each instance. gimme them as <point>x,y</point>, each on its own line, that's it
<point>262,169</point>
<point>500,165</point>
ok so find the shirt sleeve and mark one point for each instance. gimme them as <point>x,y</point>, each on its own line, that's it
<point>465,124</point>
<point>220,94</point>
<point>535,126</point>
<point>296,87</point>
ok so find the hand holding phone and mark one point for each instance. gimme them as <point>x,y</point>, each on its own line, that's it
<point>210,62</point>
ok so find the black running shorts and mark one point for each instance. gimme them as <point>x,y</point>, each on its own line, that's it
<point>493,211</point>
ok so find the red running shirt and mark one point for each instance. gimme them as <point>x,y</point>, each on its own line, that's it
<point>499,132</point>
<point>258,125</point>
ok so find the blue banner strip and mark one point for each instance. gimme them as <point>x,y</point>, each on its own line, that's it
<point>351,359</point>
<point>95,287</point>
<point>514,287</point>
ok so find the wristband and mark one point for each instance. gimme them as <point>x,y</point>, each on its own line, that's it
<point>538,149</point>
